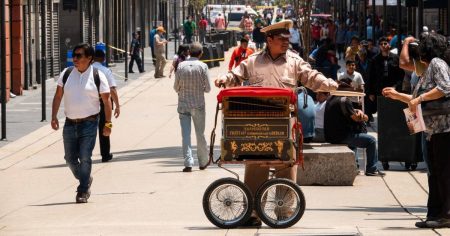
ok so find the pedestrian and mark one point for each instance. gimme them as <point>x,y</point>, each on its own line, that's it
<point>135,52</point>
<point>276,66</point>
<point>219,23</point>
<point>105,144</point>
<point>160,52</point>
<point>315,33</point>
<point>355,78</point>
<point>191,82</point>
<point>296,39</point>
<point>352,50</point>
<point>182,55</point>
<point>81,86</point>
<point>343,124</point>
<point>258,37</point>
<point>433,88</point>
<point>340,40</point>
<point>152,43</point>
<point>189,30</point>
<point>386,72</point>
<point>239,54</point>
<point>202,25</point>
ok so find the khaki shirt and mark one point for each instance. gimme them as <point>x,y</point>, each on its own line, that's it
<point>284,72</point>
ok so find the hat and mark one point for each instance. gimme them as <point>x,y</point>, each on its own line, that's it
<point>281,28</point>
<point>425,29</point>
<point>345,89</point>
<point>161,29</point>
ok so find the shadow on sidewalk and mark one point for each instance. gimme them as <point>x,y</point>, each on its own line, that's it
<point>172,156</point>
<point>412,209</point>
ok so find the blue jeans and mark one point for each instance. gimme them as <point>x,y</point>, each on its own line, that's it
<point>363,140</point>
<point>79,141</point>
<point>198,117</point>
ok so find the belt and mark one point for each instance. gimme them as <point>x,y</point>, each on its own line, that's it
<point>89,118</point>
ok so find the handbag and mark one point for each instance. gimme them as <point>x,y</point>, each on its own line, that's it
<point>436,107</point>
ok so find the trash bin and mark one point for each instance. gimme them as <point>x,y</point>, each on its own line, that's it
<point>220,51</point>
<point>69,61</point>
<point>394,141</point>
<point>101,46</point>
<point>207,55</point>
<point>215,54</point>
<point>225,40</point>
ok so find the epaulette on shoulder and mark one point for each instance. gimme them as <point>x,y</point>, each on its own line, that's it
<point>292,53</point>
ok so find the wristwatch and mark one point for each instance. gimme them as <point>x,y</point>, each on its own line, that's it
<point>108,125</point>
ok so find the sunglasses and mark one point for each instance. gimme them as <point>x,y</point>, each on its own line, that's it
<point>78,55</point>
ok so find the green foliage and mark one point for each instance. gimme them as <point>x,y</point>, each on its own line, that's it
<point>197,4</point>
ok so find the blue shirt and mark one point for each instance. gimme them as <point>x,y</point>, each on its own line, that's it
<point>152,37</point>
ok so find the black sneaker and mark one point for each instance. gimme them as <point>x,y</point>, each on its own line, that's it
<point>82,197</point>
<point>439,223</point>
<point>375,173</point>
<point>421,224</point>
<point>108,158</point>
<point>187,169</point>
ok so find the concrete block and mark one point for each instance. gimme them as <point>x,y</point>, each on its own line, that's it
<point>327,164</point>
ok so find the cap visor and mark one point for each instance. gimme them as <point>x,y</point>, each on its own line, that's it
<point>285,35</point>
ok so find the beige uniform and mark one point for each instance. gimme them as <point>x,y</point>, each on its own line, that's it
<point>261,70</point>
<point>284,72</point>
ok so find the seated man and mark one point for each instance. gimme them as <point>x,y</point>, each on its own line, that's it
<point>345,125</point>
<point>321,98</point>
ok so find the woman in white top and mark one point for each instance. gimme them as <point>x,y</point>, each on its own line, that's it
<point>324,31</point>
<point>182,54</point>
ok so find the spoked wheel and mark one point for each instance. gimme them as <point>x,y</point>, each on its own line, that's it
<point>280,203</point>
<point>227,203</point>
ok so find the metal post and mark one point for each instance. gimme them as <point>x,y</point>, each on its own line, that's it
<point>175,24</point>
<point>166,24</point>
<point>3,69</point>
<point>106,25</point>
<point>399,26</point>
<point>125,10</point>
<point>448,17</point>
<point>43,61</point>
<point>142,38</point>
<point>25,46</point>
<point>420,15</point>
<point>373,21</point>
<point>385,20</point>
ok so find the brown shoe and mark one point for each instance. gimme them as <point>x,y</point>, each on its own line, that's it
<point>187,169</point>
<point>204,167</point>
<point>252,222</point>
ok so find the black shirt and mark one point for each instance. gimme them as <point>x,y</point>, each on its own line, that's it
<point>386,72</point>
<point>136,45</point>
<point>338,123</point>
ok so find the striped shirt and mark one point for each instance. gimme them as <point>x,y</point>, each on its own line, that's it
<point>191,82</point>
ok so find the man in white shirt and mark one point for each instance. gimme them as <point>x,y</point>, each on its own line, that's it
<point>355,77</point>
<point>295,39</point>
<point>81,89</point>
<point>105,145</point>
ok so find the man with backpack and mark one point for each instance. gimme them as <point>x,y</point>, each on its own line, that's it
<point>82,85</point>
<point>105,144</point>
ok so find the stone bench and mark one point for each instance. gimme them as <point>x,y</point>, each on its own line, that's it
<point>327,164</point>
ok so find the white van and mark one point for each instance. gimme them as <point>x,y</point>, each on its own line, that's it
<point>214,11</point>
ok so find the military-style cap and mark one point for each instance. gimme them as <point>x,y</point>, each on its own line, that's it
<point>281,28</point>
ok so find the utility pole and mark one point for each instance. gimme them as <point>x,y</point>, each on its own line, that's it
<point>125,9</point>
<point>175,23</point>
<point>142,37</point>
<point>420,16</point>
<point>3,69</point>
<point>43,61</point>
<point>399,30</point>
<point>373,21</point>
<point>106,25</point>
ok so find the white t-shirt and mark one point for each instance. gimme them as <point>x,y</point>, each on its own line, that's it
<point>356,77</point>
<point>107,72</point>
<point>81,97</point>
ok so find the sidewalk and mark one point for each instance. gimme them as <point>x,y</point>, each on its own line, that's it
<point>142,191</point>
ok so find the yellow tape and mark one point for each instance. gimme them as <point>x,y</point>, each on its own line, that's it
<point>118,49</point>
<point>219,59</point>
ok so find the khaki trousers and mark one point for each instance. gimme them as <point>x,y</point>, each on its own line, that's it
<point>160,63</point>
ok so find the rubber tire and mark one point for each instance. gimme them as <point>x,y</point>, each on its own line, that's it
<point>413,166</point>
<point>217,184</point>
<point>258,199</point>
<point>385,165</point>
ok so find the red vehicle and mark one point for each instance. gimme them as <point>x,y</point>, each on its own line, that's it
<point>259,126</point>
